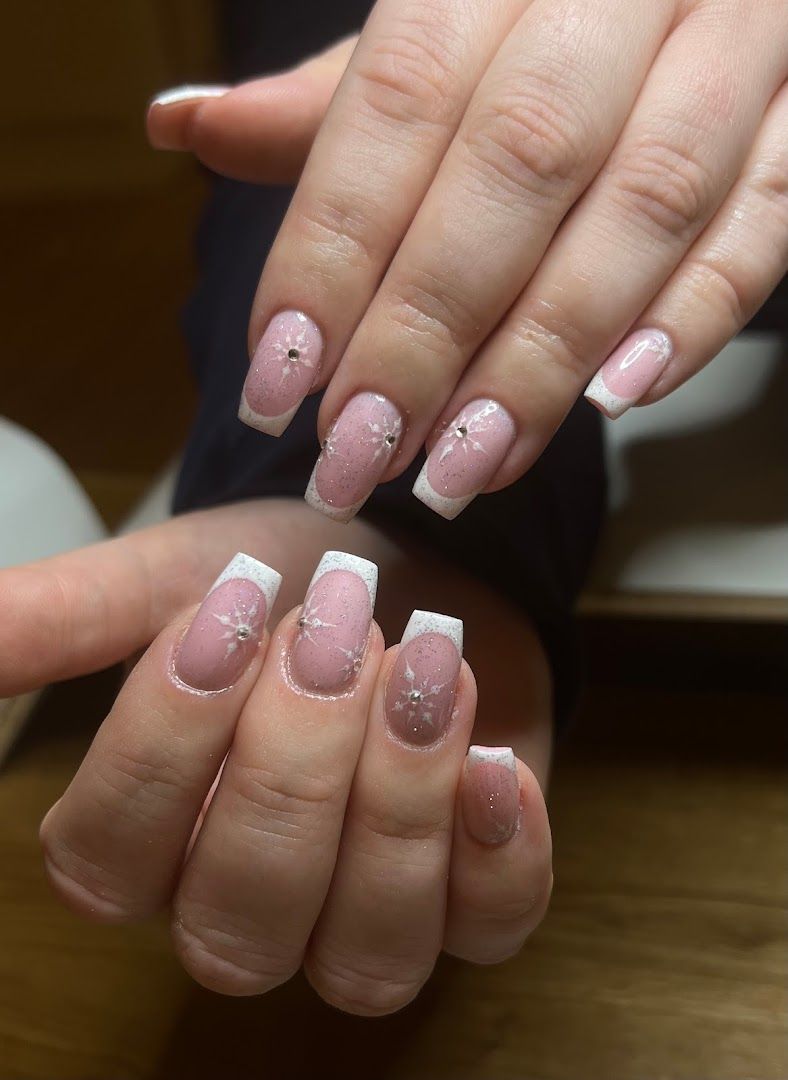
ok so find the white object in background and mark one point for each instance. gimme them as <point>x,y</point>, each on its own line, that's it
<point>697,489</point>
<point>43,511</point>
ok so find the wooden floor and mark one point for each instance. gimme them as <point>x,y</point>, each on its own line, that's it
<point>663,957</point>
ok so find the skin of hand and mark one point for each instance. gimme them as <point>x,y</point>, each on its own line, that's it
<point>298,798</point>
<point>499,205</point>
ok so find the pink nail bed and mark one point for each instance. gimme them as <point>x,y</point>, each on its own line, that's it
<point>355,455</point>
<point>333,626</point>
<point>226,631</point>
<point>283,368</point>
<point>491,794</point>
<point>629,372</point>
<point>466,457</point>
<point>420,691</point>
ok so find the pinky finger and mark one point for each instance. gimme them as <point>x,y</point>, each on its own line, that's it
<point>725,277</point>
<point>501,867</point>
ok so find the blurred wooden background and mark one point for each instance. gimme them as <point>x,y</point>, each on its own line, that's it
<point>664,955</point>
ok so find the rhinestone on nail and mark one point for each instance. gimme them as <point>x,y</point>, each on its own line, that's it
<point>293,354</point>
<point>461,431</point>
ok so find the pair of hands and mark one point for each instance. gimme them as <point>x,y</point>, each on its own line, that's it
<point>492,196</point>
<point>348,830</point>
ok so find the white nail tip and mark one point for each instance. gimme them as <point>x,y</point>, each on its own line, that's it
<point>188,93</point>
<point>354,564</point>
<point>498,755</point>
<point>441,504</point>
<point>264,577</point>
<point>611,404</point>
<point>336,513</point>
<point>269,425</point>
<point>430,622</point>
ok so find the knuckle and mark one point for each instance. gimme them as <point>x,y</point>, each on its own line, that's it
<point>87,886</point>
<point>411,75</point>
<point>528,144</point>
<point>284,807</point>
<point>500,929</point>
<point>719,288</point>
<point>553,339</point>
<point>770,180</point>
<point>365,986</point>
<point>338,231</point>
<point>228,962</point>
<point>433,312</point>
<point>401,823</point>
<point>663,188</point>
<point>142,787</point>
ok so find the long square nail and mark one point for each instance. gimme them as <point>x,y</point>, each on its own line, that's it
<point>466,457</point>
<point>420,691</point>
<point>629,372</point>
<point>491,794</point>
<point>226,631</point>
<point>282,371</point>
<point>354,456</point>
<point>333,626</point>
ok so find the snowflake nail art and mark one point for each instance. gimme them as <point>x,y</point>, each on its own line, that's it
<point>420,691</point>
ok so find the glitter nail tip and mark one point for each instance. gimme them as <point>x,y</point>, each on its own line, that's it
<point>430,622</point>
<point>243,566</point>
<point>354,564</point>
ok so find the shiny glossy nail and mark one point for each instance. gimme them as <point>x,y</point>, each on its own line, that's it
<point>420,691</point>
<point>629,372</point>
<point>226,631</point>
<point>178,94</point>
<point>466,457</point>
<point>355,455</point>
<point>282,371</point>
<point>334,622</point>
<point>491,794</point>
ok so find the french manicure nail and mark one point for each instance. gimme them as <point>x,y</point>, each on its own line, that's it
<point>354,456</point>
<point>491,794</point>
<point>629,372</point>
<point>226,631</point>
<point>420,691</point>
<point>465,458</point>
<point>333,626</point>
<point>283,368</point>
<point>178,94</point>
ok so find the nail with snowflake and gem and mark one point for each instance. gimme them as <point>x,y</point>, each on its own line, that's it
<point>355,454</point>
<point>226,632</point>
<point>333,624</point>
<point>420,691</point>
<point>283,369</point>
<point>466,457</point>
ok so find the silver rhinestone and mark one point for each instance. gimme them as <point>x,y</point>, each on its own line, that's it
<point>391,439</point>
<point>301,622</point>
<point>242,633</point>
<point>415,696</point>
<point>293,354</point>
<point>461,431</point>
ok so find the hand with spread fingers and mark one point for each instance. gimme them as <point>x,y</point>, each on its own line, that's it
<point>501,205</point>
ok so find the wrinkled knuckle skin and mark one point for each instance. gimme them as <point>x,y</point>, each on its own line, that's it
<point>433,313</point>
<point>229,963</point>
<point>502,930</point>
<point>720,290</point>
<point>663,190</point>
<point>410,76</point>
<point>359,988</point>
<point>337,232</point>
<point>527,146</point>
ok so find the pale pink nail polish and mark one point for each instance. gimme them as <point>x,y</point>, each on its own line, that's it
<point>420,691</point>
<point>226,631</point>
<point>355,455</point>
<point>333,626</point>
<point>491,794</point>
<point>282,371</point>
<point>466,457</point>
<point>629,372</point>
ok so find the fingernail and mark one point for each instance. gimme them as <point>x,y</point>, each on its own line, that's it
<point>188,93</point>
<point>629,372</point>
<point>491,794</point>
<point>282,371</point>
<point>333,627</point>
<point>420,691</point>
<point>226,631</point>
<point>355,455</point>
<point>465,458</point>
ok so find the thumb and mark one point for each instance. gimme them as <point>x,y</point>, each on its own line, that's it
<point>260,131</point>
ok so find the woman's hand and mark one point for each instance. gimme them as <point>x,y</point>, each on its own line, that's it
<point>299,799</point>
<point>501,196</point>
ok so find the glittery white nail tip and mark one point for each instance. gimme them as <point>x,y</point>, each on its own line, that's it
<point>441,504</point>
<point>430,622</point>
<point>269,425</point>
<point>499,755</point>
<point>264,577</point>
<point>608,403</point>
<point>336,513</point>
<point>341,560</point>
<point>188,93</point>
